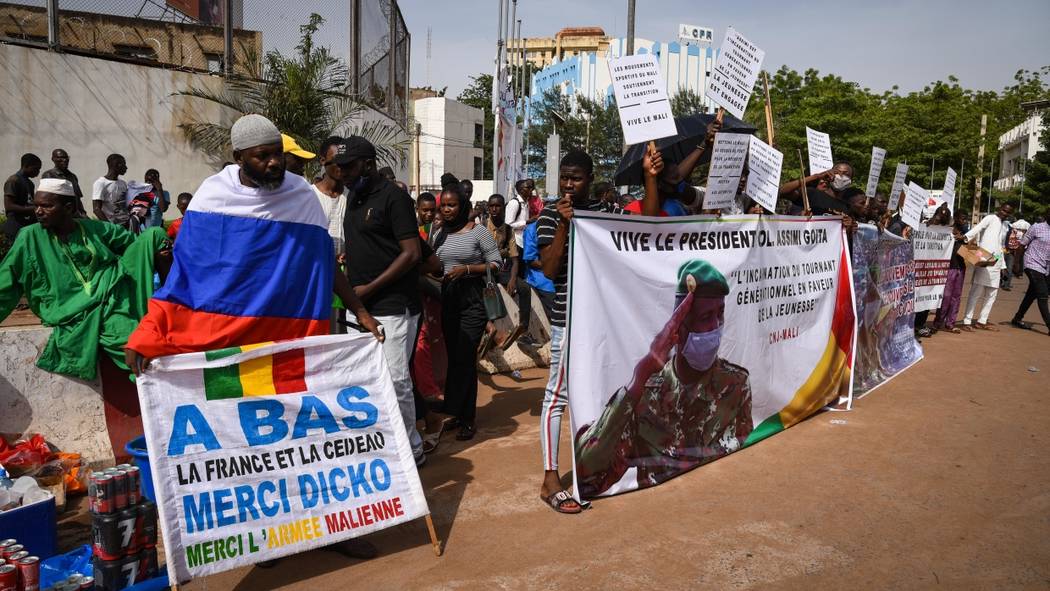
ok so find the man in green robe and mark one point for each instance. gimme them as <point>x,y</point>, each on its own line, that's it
<point>88,280</point>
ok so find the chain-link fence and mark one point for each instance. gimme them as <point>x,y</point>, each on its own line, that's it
<point>368,36</point>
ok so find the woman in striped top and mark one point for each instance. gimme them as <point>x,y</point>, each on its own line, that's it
<point>466,250</point>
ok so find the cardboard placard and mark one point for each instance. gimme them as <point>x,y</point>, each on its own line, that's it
<point>641,98</point>
<point>763,178</point>
<point>878,156</point>
<point>727,162</point>
<point>819,151</point>
<point>735,73</point>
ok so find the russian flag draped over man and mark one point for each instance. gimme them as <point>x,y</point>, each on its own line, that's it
<point>252,264</point>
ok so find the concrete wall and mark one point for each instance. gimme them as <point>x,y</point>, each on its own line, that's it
<point>92,108</point>
<point>67,412</point>
<point>447,140</point>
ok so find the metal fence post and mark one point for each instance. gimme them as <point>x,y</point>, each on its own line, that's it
<point>391,71</point>
<point>355,47</point>
<point>227,35</point>
<point>52,25</point>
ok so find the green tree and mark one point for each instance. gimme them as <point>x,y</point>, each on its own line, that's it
<point>581,123</point>
<point>306,95</point>
<point>687,102</point>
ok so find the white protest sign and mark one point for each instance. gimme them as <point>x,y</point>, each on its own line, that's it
<point>819,151</point>
<point>270,450</point>
<point>727,162</point>
<point>735,73</point>
<point>914,204</point>
<point>763,178</point>
<point>641,98</point>
<point>898,185</point>
<point>932,246</point>
<point>948,194</point>
<point>878,156</point>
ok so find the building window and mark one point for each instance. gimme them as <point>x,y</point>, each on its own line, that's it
<point>135,52</point>
<point>214,61</point>
<point>479,136</point>
<point>477,167</point>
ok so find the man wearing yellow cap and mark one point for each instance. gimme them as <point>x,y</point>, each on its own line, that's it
<point>87,279</point>
<point>295,157</point>
<point>679,411</point>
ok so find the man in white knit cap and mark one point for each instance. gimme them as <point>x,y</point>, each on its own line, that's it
<point>247,224</point>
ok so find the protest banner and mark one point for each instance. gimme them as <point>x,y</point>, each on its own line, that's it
<point>948,194</point>
<point>735,73</point>
<point>764,165</point>
<point>641,98</point>
<point>898,185</point>
<point>819,146</point>
<point>878,156</point>
<point>727,163</point>
<point>914,204</point>
<point>931,251</point>
<point>268,450</point>
<point>715,334</point>
<point>883,281</point>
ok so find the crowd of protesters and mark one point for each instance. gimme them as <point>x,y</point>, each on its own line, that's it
<point>415,274</point>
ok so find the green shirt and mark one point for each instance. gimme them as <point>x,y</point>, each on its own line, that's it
<point>91,288</point>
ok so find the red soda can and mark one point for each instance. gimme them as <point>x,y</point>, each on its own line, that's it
<point>87,584</point>
<point>108,575</point>
<point>6,543</point>
<point>129,570</point>
<point>147,564</point>
<point>131,529</point>
<point>105,493</point>
<point>12,549</point>
<point>134,485</point>
<point>29,573</point>
<point>2,562</point>
<point>18,556</point>
<point>120,498</point>
<point>8,577</point>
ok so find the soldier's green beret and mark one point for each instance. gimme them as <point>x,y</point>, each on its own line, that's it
<point>702,278</point>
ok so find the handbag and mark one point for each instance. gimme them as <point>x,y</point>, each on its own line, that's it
<point>494,306</point>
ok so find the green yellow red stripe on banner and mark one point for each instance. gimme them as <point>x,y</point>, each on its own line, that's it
<point>280,373</point>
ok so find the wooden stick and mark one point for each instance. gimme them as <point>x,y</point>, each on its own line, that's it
<point>433,535</point>
<point>720,115</point>
<point>769,111</point>
<point>802,181</point>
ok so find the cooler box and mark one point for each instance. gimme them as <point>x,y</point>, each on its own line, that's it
<point>35,526</point>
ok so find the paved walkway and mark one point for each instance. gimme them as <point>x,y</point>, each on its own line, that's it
<point>939,478</point>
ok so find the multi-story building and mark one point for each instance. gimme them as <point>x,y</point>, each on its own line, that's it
<point>587,74</point>
<point>1020,144</point>
<point>183,45</point>
<point>450,138</point>
<point>541,52</point>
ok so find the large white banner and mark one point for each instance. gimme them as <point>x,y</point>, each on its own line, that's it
<point>690,338</point>
<point>269,450</point>
<point>932,246</point>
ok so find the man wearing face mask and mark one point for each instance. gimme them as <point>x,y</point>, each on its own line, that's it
<point>827,190</point>
<point>680,410</point>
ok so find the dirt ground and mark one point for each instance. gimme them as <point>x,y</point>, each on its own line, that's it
<point>938,479</point>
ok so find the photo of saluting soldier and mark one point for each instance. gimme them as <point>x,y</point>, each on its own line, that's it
<point>679,411</point>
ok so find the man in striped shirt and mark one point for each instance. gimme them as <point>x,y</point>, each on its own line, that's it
<point>1035,253</point>
<point>574,184</point>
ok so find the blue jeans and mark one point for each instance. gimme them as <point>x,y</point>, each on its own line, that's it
<point>554,399</point>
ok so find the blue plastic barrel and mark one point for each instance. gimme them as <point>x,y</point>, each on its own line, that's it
<point>137,448</point>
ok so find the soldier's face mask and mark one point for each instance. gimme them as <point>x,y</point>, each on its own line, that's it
<point>701,348</point>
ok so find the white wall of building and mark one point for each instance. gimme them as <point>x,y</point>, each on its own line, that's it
<point>446,141</point>
<point>1019,144</point>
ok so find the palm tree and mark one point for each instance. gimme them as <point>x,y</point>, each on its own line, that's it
<point>305,95</point>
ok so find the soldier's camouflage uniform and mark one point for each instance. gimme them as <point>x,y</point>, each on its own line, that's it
<point>674,428</point>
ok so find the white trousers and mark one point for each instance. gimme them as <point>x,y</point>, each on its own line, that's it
<point>400,331</point>
<point>977,292</point>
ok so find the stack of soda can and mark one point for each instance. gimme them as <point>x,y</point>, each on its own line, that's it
<point>123,528</point>
<point>18,570</point>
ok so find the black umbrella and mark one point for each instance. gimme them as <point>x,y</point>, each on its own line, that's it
<point>691,131</point>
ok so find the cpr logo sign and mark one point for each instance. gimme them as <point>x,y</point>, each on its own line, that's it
<point>694,35</point>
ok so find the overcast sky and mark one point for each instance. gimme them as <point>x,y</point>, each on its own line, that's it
<point>878,44</point>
